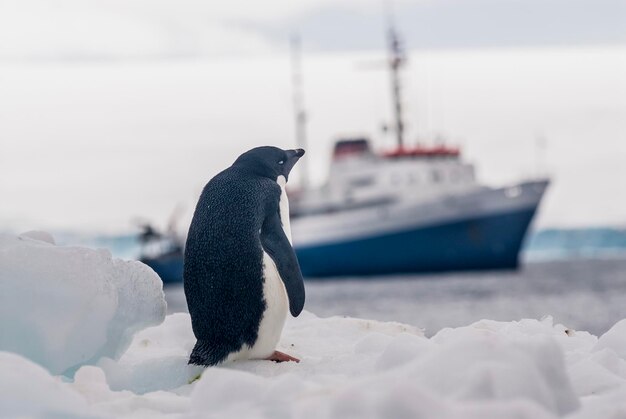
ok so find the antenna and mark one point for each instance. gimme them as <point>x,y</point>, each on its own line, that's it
<point>541,144</point>
<point>396,60</point>
<point>298,105</point>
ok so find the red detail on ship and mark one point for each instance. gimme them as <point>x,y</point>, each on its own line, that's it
<point>360,146</point>
<point>424,151</point>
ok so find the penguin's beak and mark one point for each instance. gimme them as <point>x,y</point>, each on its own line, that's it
<point>292,158</point>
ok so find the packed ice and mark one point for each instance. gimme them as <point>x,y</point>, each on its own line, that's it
<point>531,368</point>
<point>64,307</point>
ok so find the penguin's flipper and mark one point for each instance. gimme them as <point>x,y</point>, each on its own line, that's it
<point>276,244</point>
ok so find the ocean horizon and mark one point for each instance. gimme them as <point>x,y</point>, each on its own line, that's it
<point>539,245</point>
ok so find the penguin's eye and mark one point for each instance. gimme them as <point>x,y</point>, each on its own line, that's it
<point>281,162</point>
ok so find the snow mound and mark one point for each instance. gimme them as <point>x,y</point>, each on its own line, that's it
<point>368,369</point>
<point>614,340</point>
<point>64,307</point>
<point>350,368</point>
<point>156,360</point>
<point>28,390</point>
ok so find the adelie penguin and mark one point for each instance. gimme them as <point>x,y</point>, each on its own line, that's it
<point>241,274</point>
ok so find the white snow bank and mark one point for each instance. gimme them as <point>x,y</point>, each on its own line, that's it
<point>28,390</point>
<point>614,339</point>
<point>360,368</point>
<point>368,369</point>
<point>64,307</point>
<point>156,360</point>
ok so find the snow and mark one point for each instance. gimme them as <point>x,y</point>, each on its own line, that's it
<point>350,367</point>
<point>353,368</point>
<point>28,390</point>
<point>64,307</point>
<point>615,340</point>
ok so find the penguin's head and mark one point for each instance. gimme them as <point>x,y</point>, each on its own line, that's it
<point>270,162</point>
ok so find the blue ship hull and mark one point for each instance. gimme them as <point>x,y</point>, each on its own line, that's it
<point>169,267</point>
<point>480,243</point>
<point>488,242</point>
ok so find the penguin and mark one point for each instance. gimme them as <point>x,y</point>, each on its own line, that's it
<point>241,274</point>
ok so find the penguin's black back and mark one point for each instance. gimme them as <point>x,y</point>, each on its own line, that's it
<point>223,269</point>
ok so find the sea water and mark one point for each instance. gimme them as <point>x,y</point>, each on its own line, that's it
<point>576,276</point>
<point>582,294</point>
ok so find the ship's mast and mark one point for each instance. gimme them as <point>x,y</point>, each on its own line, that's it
<point>298,106</point>
<point>396,61</point>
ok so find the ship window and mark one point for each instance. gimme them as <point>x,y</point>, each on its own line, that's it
<point>361,182</point>
<point>513,192</point>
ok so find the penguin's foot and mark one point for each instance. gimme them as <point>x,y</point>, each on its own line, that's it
<point>194,379</point>
<point>278,356</point>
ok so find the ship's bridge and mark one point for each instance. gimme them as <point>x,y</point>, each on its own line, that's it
<point>421,172</point>
<point>360,177</point>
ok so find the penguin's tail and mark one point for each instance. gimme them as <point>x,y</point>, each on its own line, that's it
<point>207,354</point>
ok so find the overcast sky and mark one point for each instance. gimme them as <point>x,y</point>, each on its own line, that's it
<point>99,124</point>
<point>121,28</point>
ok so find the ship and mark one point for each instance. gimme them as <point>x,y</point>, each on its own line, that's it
<point>412,209</point>
<point>408,211</point>
<point>162,250</point>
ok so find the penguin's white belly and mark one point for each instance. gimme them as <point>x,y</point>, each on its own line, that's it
<point>277,305</point>
<point>273,320</point>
